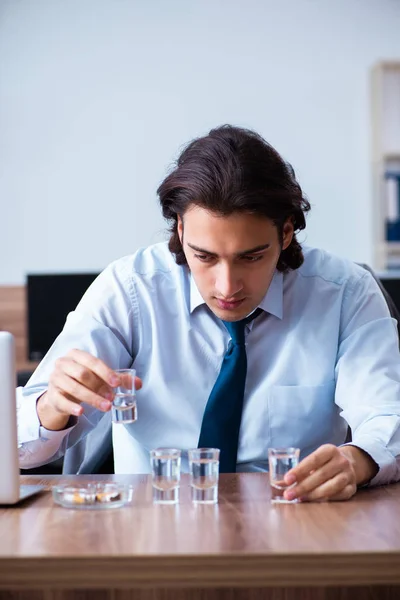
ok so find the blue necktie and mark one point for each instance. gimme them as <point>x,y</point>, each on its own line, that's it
<point>223,413</point>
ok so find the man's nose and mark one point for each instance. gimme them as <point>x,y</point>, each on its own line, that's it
<point>228,282</point>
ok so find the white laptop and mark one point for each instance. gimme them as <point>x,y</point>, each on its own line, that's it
<point>11,491</point>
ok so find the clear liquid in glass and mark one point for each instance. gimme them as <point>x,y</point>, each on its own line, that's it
<point>166,472</point>
<point>204,475</point>
<point>124,408</point>
<point>279,465</point>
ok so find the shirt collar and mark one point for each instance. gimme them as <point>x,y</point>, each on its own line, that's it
<point>272,302</point>
<point>196,298</point>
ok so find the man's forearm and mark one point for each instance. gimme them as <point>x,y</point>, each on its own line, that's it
<point>364,466</point>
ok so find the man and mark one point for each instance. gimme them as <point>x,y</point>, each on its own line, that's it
<point>316,349</point>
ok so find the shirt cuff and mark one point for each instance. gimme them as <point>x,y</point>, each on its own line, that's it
<point>28,420</point>
<point>43,449</point>
<point>37,445</point>
<point>388,472</point>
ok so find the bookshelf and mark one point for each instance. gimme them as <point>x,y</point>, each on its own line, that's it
<point>386,164</point>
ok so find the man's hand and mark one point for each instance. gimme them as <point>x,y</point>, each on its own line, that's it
<point>78,377</point>
<point>330,473</point>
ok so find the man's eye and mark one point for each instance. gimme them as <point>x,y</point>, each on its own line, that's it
<point>204,257</point>
<point>252,258</point>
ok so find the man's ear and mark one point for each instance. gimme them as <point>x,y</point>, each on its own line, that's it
<point>287,233</point>
<point>180,228</point>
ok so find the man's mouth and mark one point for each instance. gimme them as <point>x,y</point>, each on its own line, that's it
<point>229,304</point>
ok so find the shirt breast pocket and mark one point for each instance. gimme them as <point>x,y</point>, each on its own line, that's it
<point>304,417</point>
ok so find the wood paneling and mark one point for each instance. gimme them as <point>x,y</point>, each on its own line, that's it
<point>13,318</point>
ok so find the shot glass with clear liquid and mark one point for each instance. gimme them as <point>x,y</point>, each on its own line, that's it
<point>281,461</point>
<point>166,475</point>
<point>124,408</point>
<point>204,475</point>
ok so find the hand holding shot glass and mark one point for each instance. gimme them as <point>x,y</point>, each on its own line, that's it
<point>124,408</point>
<point>281,461</point>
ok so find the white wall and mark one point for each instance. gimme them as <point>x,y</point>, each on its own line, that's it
<point>97,97</point>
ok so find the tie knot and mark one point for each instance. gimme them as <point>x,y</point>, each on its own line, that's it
<point>236,330</point>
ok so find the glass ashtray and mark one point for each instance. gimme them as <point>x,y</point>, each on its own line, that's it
<point>95,495</point>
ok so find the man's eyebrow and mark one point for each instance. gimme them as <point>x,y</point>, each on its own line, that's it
<point>244,253</point>
<point>254,250</point>
<point>202,250</point>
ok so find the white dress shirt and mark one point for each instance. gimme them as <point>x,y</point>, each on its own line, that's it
<point>323,355</point>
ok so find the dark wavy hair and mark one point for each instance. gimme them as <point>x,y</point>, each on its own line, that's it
<point>235,170</point>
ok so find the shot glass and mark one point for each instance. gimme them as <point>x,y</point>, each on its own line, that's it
<point>166,475</point>
<point>204,474</point>
<point>124,408</point>
<point>281,460</point>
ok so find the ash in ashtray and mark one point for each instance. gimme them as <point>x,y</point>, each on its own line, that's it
<point>92,494</point>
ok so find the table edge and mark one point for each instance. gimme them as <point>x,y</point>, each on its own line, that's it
<point>203,571</point>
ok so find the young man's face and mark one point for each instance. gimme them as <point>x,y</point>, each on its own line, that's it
<point>232,259</point>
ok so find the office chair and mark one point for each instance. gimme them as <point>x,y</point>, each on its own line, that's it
<point>391,305</point>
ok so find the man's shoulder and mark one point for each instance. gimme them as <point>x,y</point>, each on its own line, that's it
<point>150,268</point>
<point>146,262</point>
<point>154,259</point>
<point>321,264</point>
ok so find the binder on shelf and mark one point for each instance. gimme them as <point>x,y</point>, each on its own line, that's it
<point>392,193</point>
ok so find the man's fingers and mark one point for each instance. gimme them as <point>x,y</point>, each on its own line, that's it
<point>65,405</point>
<point>316,478</point>
<point>340,487</point>
<point>84,376</point>
<point>313,462</point>
<point>95,365</point>
<point>75,390</point>
<point>347,493</point>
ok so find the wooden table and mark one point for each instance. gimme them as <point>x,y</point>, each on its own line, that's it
<point>242,548</point>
